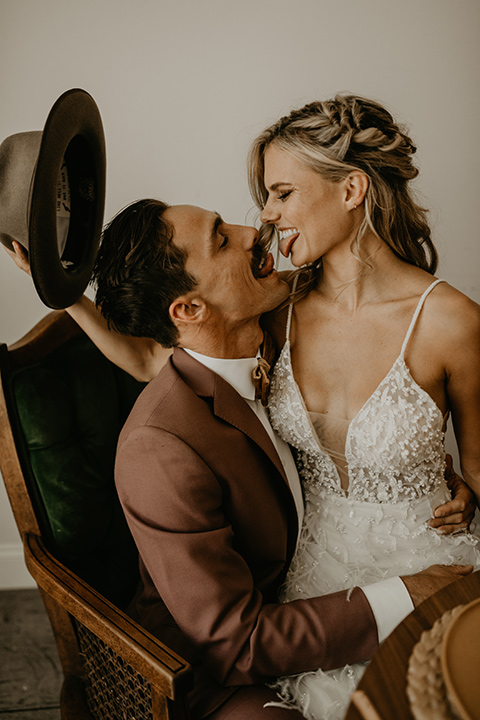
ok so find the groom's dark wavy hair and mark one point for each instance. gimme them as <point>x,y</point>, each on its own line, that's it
<point>139,272</point>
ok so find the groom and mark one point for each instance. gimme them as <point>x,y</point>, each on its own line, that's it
<point>210,493</point>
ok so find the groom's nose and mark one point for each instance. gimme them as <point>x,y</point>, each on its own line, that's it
<point>248,236</point>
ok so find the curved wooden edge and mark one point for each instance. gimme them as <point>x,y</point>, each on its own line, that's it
<point>11,467</point>
<point>51,331</point>
<point>65,636</point>
<point>385,679</point>
<point>165,670</point>
<point>73,703</point>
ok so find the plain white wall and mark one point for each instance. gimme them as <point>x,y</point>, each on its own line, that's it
<point>183,87</point>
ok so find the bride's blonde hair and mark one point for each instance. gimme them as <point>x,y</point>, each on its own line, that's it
<point>336,137</point>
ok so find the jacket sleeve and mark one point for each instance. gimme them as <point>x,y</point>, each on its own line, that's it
<point>174,507</point>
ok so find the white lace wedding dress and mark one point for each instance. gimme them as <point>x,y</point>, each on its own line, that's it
<point>393,455</point>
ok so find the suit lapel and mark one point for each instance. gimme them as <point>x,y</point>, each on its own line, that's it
<point>227,403</point>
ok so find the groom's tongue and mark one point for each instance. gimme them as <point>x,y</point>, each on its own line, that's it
<point>267,267</point>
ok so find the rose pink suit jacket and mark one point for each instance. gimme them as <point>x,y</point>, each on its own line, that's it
<point>209,507</point>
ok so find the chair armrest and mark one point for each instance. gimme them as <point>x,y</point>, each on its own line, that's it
<point>169,673</point>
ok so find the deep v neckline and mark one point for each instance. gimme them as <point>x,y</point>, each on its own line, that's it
<point>398,359</point>
<point>399,363</point>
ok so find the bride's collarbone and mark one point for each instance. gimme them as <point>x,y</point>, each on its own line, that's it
<point>340,358</point>
<point>339,378</point>
<point>322,328</point>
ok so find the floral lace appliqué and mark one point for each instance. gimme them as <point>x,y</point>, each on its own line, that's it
<point>395,444</point>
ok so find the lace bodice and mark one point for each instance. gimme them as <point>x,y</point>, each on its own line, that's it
<point>394,448</point>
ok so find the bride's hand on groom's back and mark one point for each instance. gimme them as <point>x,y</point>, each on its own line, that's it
<point>456,515</point>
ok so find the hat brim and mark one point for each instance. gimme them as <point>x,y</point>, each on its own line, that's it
<point>73,134</point>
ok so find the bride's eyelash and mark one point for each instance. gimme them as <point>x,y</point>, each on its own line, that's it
<point>284,195</point>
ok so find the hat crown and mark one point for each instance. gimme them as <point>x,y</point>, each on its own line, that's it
<point>18,159</point>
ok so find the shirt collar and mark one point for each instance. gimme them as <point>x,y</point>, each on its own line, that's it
<point>237,372</point>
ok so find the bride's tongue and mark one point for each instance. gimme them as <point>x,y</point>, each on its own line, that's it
<point>285,244</point>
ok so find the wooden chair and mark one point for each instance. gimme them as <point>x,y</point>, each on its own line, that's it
<point>62,405</point>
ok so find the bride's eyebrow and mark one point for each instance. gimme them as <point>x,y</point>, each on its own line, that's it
<point>277,185</point>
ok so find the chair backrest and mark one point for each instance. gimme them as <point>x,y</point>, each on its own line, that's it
<point>66,404</point>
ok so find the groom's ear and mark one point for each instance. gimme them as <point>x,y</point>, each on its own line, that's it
<point>188,310</point>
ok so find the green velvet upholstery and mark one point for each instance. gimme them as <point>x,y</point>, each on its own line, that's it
<point>71,407</point>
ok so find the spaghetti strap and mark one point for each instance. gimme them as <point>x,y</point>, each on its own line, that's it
<point>417,313</point>
<point>290,309</point>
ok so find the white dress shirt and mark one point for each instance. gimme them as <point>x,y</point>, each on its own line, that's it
<point>389,599</point>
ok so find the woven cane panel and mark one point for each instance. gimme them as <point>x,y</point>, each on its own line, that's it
<point>114,690</point>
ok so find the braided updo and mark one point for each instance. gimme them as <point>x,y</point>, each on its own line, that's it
<point>348,133</point>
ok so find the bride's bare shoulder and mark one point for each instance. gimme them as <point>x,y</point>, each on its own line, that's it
<point>454,312</point>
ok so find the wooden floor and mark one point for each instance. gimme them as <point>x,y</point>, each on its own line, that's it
<point>30,674</point>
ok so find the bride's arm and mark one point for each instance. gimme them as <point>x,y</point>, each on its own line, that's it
<point>463,389</point>
<point>141,357</point>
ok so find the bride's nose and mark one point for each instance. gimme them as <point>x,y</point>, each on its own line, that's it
<point>269,214</point>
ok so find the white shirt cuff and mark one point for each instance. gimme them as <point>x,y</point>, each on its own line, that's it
<point>390,602</point>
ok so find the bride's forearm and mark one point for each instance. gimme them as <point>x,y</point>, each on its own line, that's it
<point>471,473</point>
<point>141,357</point>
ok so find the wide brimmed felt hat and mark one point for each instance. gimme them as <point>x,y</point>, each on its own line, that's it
<point>52,196</point>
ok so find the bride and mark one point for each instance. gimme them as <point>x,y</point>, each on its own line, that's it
<point>376,355</point>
